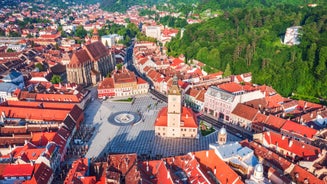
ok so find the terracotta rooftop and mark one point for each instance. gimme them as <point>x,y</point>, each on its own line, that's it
<point>299,148</point>
<point>187,116</point>
<point>299,129</point>
<point>42,174</point>
<point>209,162</point>
<point>78,170</point>
<point>245,111</point>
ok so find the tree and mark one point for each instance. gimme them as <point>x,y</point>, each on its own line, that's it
<point>10,50</point>
<point>39,66</point>
<point>119,66</point>
<point>228,71</point>
<point>321,67</point>
<point>80,31</point>
<point>56,79</point>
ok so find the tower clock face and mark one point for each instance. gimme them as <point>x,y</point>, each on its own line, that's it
<point>174,98</point>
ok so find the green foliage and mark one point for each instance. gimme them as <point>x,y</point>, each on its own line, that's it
<point>128,32</point>
<point>228,71</point>
<point>56,79</point>
<point>173,21</point>
<point>10,50</point>
<point>249,39</point>
<point>39,66</point>
<point>119,66</point>
<point>141,37</point>
<point>80,31</point>
<point>144,12</point>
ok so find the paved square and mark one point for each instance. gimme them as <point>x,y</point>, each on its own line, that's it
<point>138,138</point>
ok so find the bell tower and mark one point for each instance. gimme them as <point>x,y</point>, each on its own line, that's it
<point>95,37</point>
<point>174,109</point>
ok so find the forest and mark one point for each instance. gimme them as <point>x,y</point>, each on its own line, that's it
<point>250,39</point>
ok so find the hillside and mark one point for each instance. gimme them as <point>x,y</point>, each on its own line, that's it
<point>249,39</point>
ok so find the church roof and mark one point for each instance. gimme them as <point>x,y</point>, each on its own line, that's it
<point>96,50</point>
<point>79,57</point>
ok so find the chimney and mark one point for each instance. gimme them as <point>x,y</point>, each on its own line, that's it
<point>290,143</point>
<point>207,154</point>
<point>215,171</point>
<point>147,166</point>
<point>168,175</point>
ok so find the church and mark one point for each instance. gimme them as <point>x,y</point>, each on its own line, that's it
<point>90,63</point>
<point>175,120</point>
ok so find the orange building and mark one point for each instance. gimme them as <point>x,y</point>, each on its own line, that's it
<point>175,120</point>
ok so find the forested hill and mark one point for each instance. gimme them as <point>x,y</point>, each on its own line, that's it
<point>123,5</point>
<point>249,39</point>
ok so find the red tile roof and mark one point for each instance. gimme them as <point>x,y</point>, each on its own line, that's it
<point>268,156</point>
<point>245,111</point>
<point>275,122</point>
<point>209,161</point>
<point>187,116</point>
<point>107,83</point>
<point>78,170</point>
<point>155,171</point>
<point>301,175</point>
<point>34,113</point>
<point>42,174</point>
<point>42,138</point>
<point>299,129</point>
<point>18,170</point>
<point>299,148</point>
<point>231,87</point>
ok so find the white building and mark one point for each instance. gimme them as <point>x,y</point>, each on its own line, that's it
<point>153,31</point>
<point>292,35</point>
<point>111,40</point>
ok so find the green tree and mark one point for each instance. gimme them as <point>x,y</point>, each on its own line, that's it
<point>119,66</point>
<point>227,71</point>
<point>39,66</point>
<point>80,31</point>
<point>10,50</point>
<point>56,79</point>
<point>321,67</point>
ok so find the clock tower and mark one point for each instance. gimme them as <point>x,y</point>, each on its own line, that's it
<point>174,109</point>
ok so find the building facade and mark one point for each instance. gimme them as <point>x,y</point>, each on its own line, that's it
<point>122,83</point>
<point>176,121</point>
<point>93,61</point>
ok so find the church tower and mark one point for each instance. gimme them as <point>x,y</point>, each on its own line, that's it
<point>222,136</point>
<point>95,36</point>
<point>174,109</point>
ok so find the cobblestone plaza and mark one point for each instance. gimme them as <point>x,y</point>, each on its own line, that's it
<point>139,137</point>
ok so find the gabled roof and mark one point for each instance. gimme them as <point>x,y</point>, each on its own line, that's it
<point>301,175</point>
<point>42,174</point>
<point>96,50</point>
<point>299,129</point>
<point>274,121</point>
<point>78,58</point>
<point>42,138</point>
<point>155,171</point>
<point>209,162</point>
<point>18,170</point>
<point>245,111</point>
<point>299,148</point>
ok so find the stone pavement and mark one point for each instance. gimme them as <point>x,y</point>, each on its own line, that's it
<point>138,138</point>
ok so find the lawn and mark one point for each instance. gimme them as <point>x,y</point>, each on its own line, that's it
<point>205,129</point>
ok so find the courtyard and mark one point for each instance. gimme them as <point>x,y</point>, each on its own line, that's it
<point>115,132</point>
